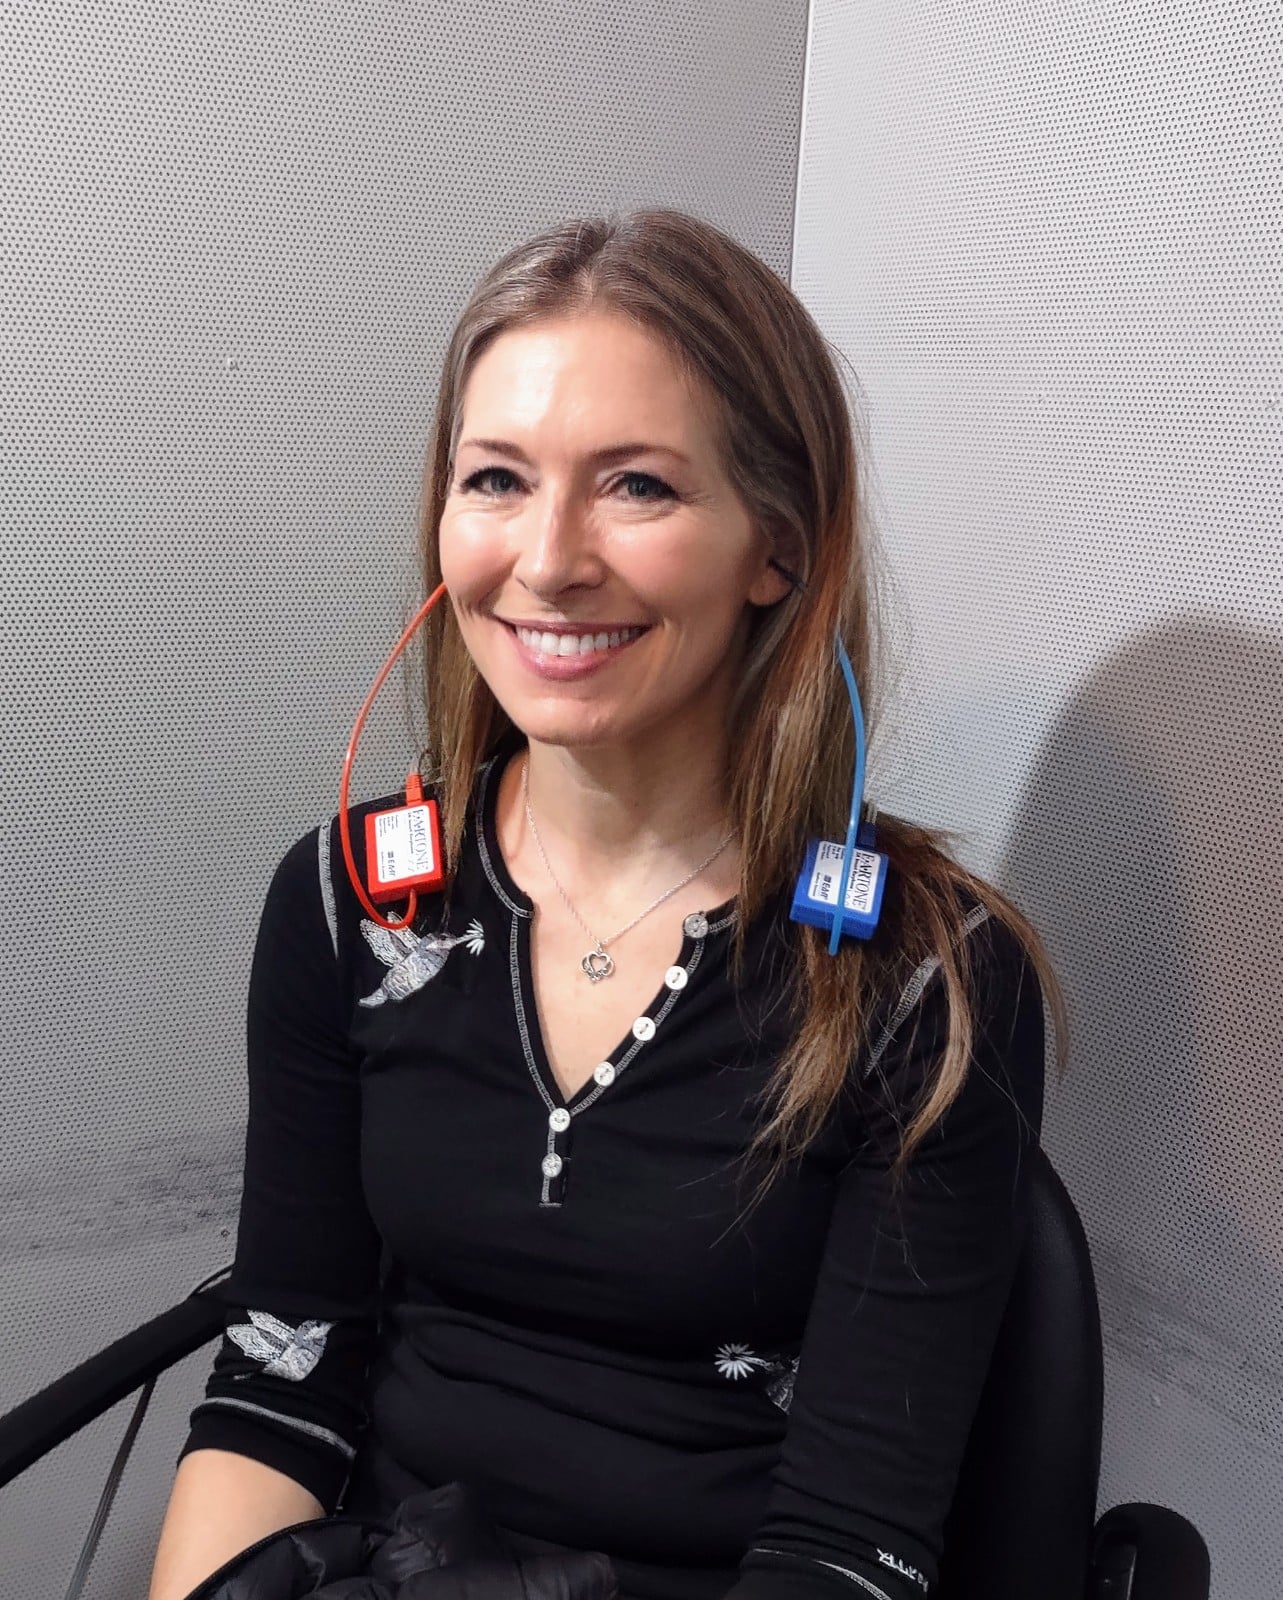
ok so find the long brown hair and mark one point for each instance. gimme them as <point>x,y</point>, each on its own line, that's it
<point>789,441</point>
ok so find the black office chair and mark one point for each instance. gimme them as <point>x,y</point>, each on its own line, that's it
<point>1023,1524</point>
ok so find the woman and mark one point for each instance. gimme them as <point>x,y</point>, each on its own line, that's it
<point>625,1201</point>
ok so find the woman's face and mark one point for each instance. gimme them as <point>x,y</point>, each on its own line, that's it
<point>599,561</point>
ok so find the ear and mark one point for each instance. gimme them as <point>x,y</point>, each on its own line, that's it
<point>770,585</point>
<point>770,588</point>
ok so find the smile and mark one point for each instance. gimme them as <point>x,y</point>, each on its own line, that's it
<point>576,644</point>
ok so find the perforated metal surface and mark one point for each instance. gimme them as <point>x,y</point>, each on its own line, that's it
<point>236,238</point>
<point>1050,239</point>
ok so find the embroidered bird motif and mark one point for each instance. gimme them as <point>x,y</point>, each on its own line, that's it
<point>778,1388</point>
<point>288,1352</point>
<point>413,959</point>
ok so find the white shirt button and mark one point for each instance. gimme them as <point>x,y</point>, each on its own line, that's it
<point>696,925</point>
<point>644,1029</point>
<point>551,1166</point>
<point>604,1073</point>
<point>559,1121</point>
<point>676,977</point>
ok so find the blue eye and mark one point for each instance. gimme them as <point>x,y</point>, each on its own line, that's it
<point>475,481</point>
<point>666,492</point>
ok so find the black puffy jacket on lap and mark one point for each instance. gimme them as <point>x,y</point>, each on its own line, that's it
<point>439,1546</point>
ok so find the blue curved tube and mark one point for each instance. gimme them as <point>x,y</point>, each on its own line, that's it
<point>857,792</point>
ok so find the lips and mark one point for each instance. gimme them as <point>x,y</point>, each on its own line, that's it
<point>561,652</point>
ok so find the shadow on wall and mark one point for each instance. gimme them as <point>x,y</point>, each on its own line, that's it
<point>94,1242</point>
<point>109,1203</point>
<point>1148,850</point>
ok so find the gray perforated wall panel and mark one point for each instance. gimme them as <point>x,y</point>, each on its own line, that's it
<point>1049,239</point>
<point>235,239</point>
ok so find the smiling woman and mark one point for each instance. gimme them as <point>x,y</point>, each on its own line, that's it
<point>604,1188</point>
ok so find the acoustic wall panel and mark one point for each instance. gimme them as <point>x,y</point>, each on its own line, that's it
<point>1049,238</point>
<point>236,238</point>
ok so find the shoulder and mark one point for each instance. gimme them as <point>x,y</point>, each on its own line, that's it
<point>996,960</point>
<point>312,880</point>
<point>1003,996</point>
<point>1001,967</point>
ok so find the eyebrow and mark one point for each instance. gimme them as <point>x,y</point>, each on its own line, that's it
<point>612,453</point>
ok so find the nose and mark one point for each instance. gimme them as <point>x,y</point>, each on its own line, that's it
<point>556,547</point>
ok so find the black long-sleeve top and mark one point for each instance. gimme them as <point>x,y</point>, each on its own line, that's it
<point>445,1270</point>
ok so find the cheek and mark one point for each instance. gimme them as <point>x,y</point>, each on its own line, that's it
<point>688,571</point>
<point>471,552</point>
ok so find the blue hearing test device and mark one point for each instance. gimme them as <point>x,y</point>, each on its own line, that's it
<point>851,875</point>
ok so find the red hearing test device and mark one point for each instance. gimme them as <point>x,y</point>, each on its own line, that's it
<point>403,847</point>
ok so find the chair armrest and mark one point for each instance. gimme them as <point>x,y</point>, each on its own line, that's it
<point>53,1414</point>
<point>1145,1552</point>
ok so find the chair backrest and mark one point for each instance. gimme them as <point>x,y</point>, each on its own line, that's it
<point>1022,1519</point>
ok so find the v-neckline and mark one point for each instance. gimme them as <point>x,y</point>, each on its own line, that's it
<point>561,1109</point>
<point>523,909</point>
<point>626,1048</point>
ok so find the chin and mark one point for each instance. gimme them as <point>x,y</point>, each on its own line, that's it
<point>570,726</point>
<point>570,733</point>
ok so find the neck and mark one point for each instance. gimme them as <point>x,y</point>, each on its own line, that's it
<point>624,815</point>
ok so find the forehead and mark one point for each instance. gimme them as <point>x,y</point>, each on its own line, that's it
<point>596,375</point>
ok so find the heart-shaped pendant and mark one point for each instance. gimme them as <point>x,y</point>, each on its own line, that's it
<point>597,964</point>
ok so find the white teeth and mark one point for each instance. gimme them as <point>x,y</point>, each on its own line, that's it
<point>575,644</point>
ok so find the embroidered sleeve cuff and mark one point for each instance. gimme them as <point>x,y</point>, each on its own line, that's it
<point>320,1466</point>
<point>781,1575</point>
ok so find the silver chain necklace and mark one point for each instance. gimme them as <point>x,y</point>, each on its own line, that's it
<point>597,964</point>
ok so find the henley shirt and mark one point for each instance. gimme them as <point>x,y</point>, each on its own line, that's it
<point>446,1270</point>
